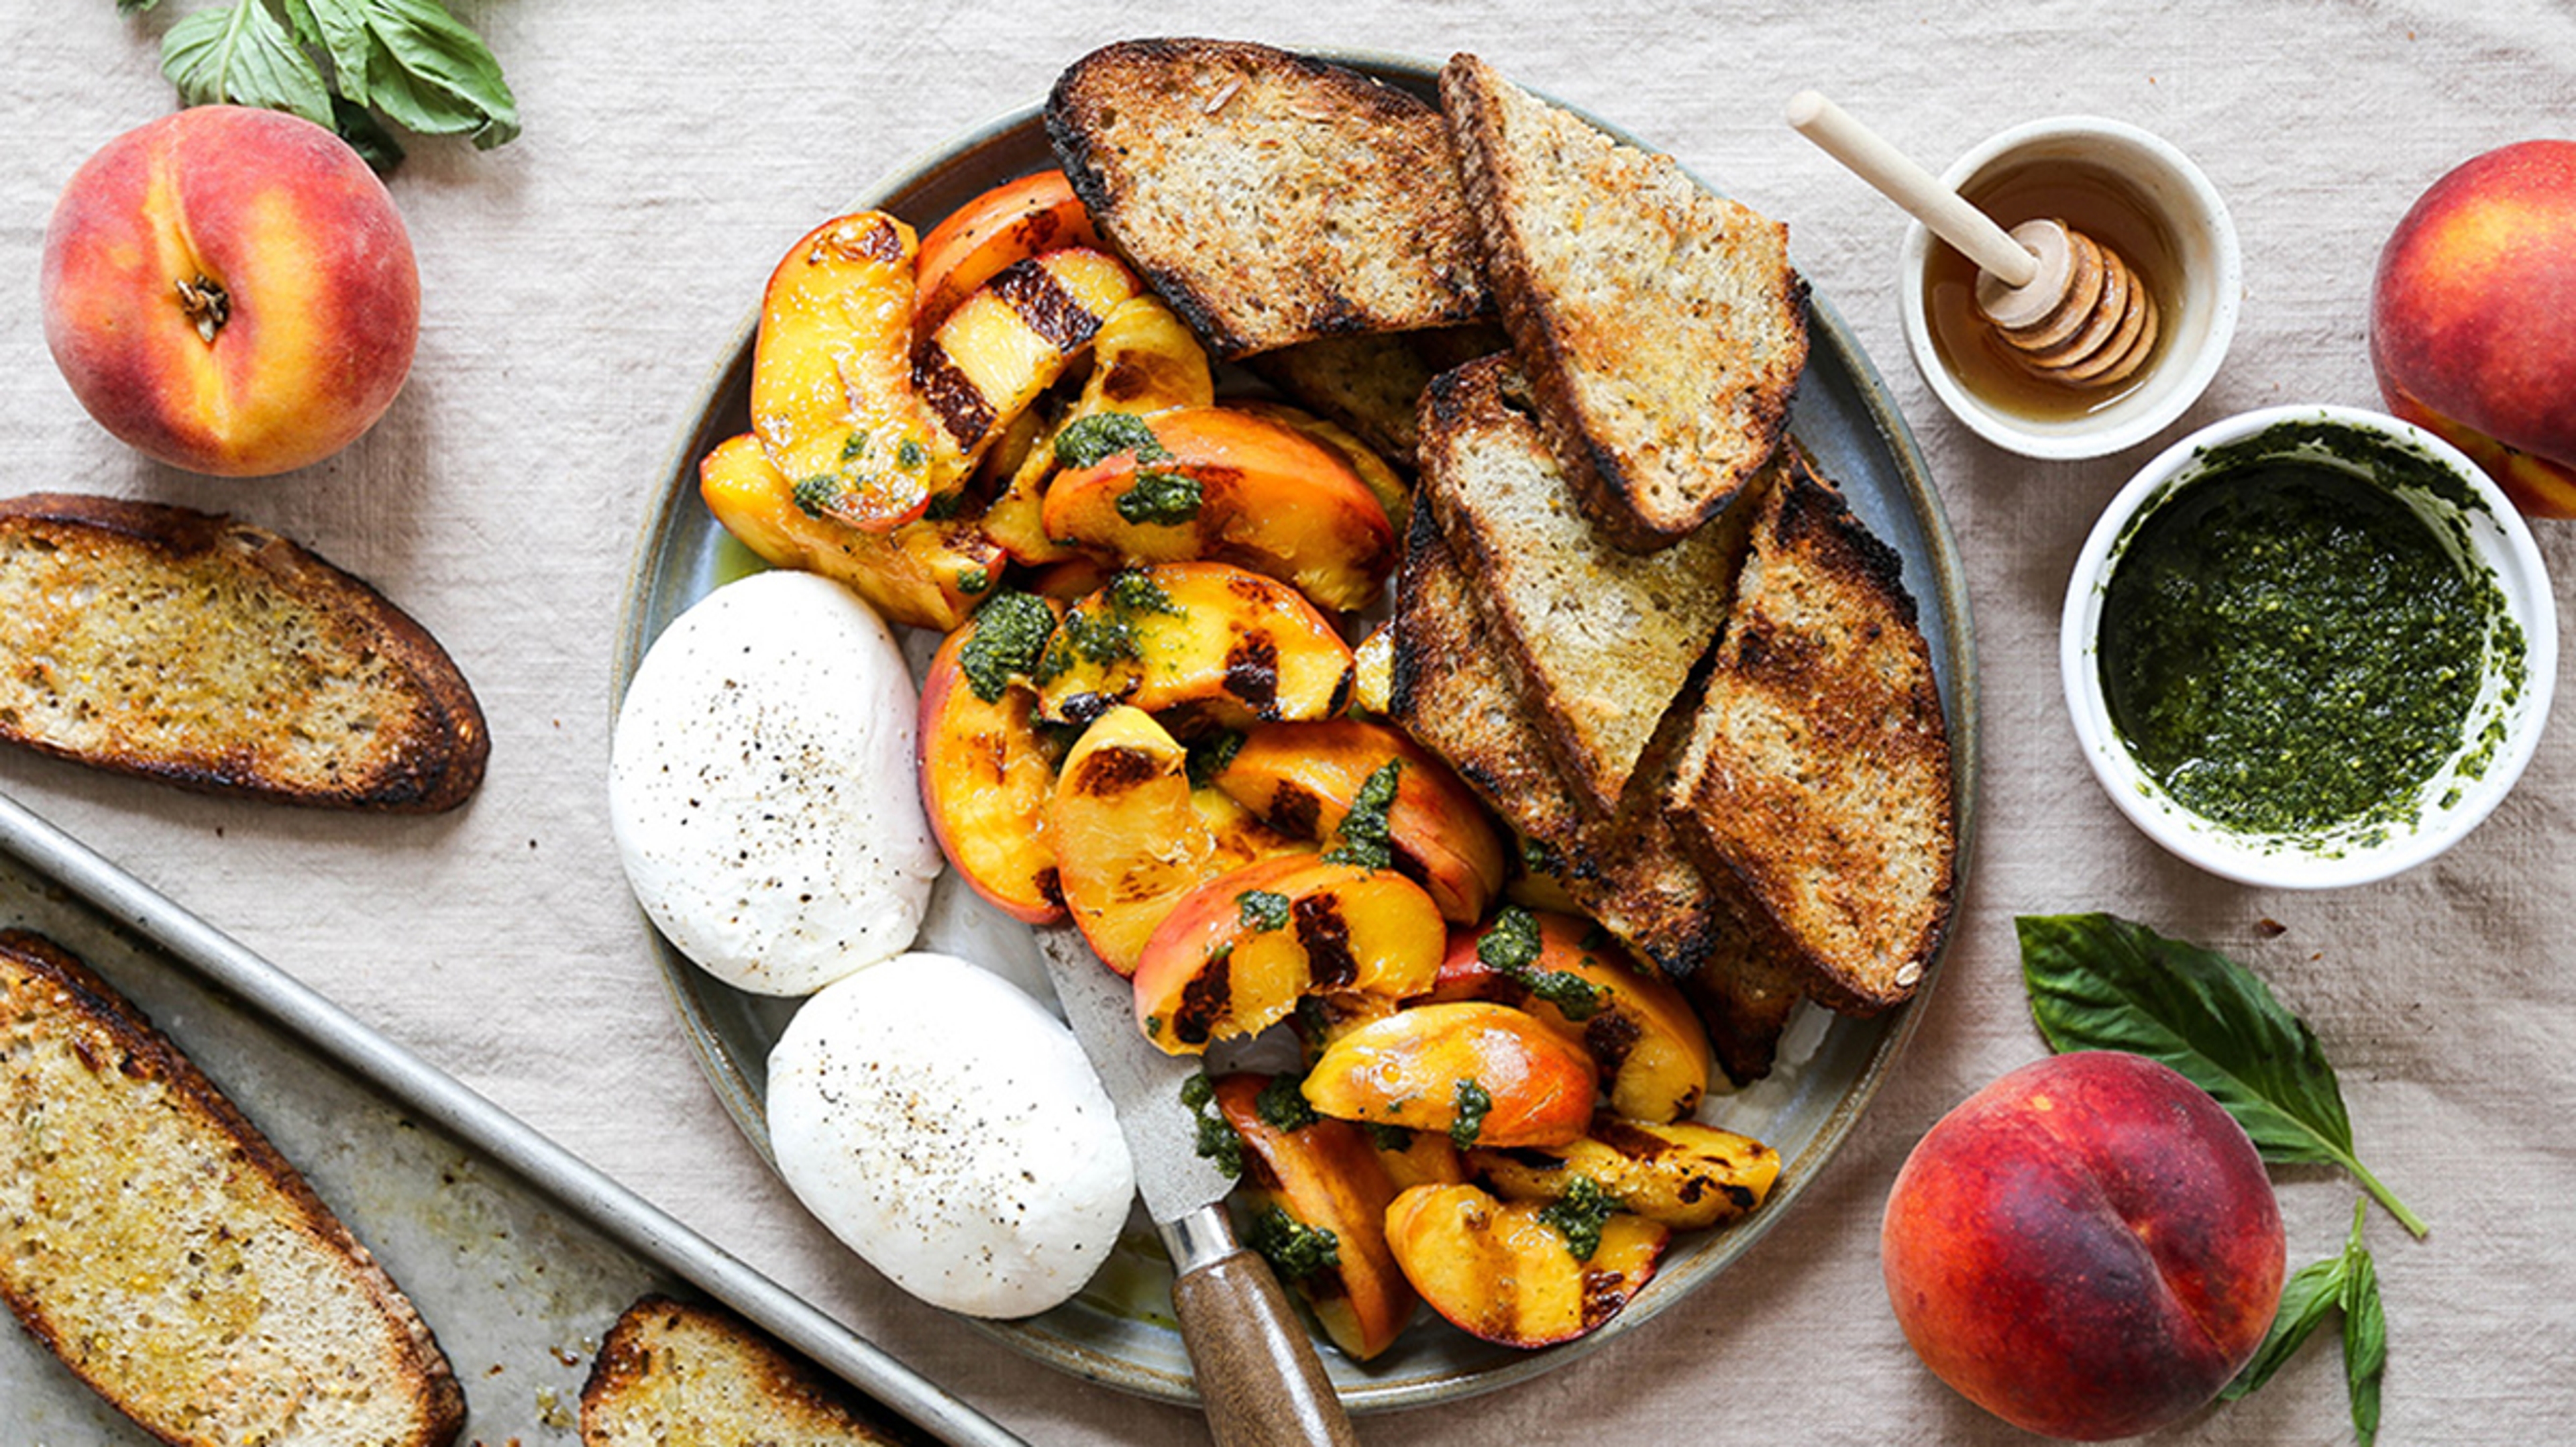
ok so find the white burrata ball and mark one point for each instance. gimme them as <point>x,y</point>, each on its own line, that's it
<point>948,1129</point>
<point>761,786</point>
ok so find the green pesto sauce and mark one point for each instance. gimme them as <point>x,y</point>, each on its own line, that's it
<point>1366,842</point>
<point>2289,649</point>
<point>1579,1215</point>
<point>1217,1141</point>
<point>1087,440</point>
<point>1474,1104</point>
<point>1294,1249</point>
<point>1282,1104</point>
<point>1165,499</point>
<point>1261,910</point>
<point>1010,632</point>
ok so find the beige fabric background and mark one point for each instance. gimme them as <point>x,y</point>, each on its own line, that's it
<point>580,284</point>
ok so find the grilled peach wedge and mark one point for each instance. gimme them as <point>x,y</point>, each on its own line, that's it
<point>1222,645</point>
<point>1303,778</point>
<point>1510,1273</point>
<point>1418,1157</point>
<point>1327,1239</point>
<point>1131,837</point>
<point>1010,340</point>
<point>1683,1174</point>
<point>1235,955</point>
<point>987,782</point>
<point>1223,484</point>
<point>1636,1025</point>
<point>923,573</point>
<point>1144,361</point>
<point>1479,1073</point>
<point>1010,223</point>
<point>831,374</point>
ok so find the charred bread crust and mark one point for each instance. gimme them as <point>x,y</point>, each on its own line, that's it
<point>1398,252</point>
<point>428,758</point>
<point>41,982</point>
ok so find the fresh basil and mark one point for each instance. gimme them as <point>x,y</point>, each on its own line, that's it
<point>2349,1282</point>
<point>2097,982</point>
<point>410,61</point>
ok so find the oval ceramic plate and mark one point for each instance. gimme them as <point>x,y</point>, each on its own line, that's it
<point>1119,1330</point>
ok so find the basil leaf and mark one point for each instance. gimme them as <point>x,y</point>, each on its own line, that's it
<point>421,67</point>
<point>2306,1297</point>
<point>239,53</point>
<point>2097,982</point>
<point>2365,1334</point>
<point>365,134</point>
<point>134,7</point>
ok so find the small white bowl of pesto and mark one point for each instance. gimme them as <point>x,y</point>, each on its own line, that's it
<point>2308,647</point>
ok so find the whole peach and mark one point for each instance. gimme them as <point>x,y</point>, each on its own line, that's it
<point>2088,1247</point>
<point>2473,319</point>
<point>231,291</point>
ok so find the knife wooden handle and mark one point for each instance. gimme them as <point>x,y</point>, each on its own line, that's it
<point>1258,1374</point>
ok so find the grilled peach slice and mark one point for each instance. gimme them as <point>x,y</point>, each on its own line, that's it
<point>987,782</point>
<point>1636,1025</point>
<point>1131,837</point>
<point>1480,1073</point>
<point>1372,470</point>
<point>1223,484</point>
<point>1683,1174</point>
<point>1228,647</point>
<point>831,374</point>
<point>1327,1238</point>
<point>1010,223</point>
<point>1143,361</point>
<point>1510,1272</point>
<point>1417,1157</point>
<point>1002,346</point>
<point>923,573</point>
<point>1235,955</point>
<point>1304,778</point>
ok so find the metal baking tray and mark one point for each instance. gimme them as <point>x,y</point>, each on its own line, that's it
<point>518,1254</point>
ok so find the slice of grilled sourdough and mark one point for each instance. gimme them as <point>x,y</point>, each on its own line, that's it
<point>218,656</point>
<point>1460,696</point>
<point>1271,198</point>
<point>1816,779</point>
<point>1662,327</point>
<point>1372,382</point>
<point>672,1374</point>
<point>1606,639</point>
<point>163,1249</point>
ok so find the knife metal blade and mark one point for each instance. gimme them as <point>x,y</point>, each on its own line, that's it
<point>1258,1375</point>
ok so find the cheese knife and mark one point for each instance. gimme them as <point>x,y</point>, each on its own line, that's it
<point>1258,1375</point>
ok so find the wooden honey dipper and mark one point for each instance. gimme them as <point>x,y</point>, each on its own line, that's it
<point>2068,309</point>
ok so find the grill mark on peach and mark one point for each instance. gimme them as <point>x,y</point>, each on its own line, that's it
<point>1040,301</point>
<point>1610,1036</point>
<point>1294,809</point>
<point>952,396</point>
<point>1051,886</point>
<point>1627,1140</point>
<point>1203,1002</point>
<point>1603,1294</point>
<point>876,241</point>
<point>1326,937</point>
<point>1252,672</point>
<point>1113,771</point>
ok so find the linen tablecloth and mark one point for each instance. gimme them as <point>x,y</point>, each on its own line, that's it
<point>580,284</point>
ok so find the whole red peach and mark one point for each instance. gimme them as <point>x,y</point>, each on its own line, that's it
<point>2473,319</point>
<point>230,291</point>
<point>2088,1247</point>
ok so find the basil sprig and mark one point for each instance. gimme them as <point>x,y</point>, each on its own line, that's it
<point>408,60</point>
<point>2097,982</point>
<point>2349,1282</point>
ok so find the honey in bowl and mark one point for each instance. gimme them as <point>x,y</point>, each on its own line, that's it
<point>2087,199</point>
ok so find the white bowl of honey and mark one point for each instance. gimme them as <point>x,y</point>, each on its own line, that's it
<point>2133,194</point>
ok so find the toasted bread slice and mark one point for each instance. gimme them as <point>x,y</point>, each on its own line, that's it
<point>1607,639</point>
<point>1271,198</point>
<point>1371,382</point>
<point>163,1249</point>
<point>1460,697</point>
<point>1816,775</point>
<point>1662,327</point>
<point>672,1374</point>
<point>218,656</point>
